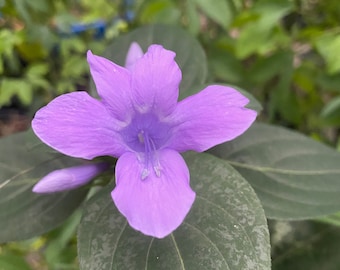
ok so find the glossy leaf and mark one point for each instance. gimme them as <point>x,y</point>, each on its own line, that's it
<point>189,53</point>
<point>225,229</point>
<point>24,214</point>
<point>294,176</point>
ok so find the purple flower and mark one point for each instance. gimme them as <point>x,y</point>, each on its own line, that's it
<point>139,120</point>
<point>69,178</point>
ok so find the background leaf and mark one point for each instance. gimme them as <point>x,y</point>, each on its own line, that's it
<point>24,214</point>
<point>294,176</point>
<point>328,45</point>
<point>256,35</point>
<point>189,53</point>
<point>221,11</point>
<point>307,245</point>
<point>225,229</point>
<point>13,262</point>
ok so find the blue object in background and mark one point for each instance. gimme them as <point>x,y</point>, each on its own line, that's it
<point>99,27</point>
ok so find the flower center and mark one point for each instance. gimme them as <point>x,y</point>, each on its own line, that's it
<point>146,135</point>
<point>150,158</point>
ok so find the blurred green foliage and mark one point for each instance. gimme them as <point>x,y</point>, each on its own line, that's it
<point>41,56</point>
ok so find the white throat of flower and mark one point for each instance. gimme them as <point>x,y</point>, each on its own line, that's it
<point>150,158</point>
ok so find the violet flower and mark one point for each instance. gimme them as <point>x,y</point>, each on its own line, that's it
<point>69,178</point>
<point>139,120</point>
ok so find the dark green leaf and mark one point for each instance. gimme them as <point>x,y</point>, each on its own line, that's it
<point>24,214</point>
<point>309,246</point>
<point>190,55</point>
<point>225,229</point>
<point>294,176</point>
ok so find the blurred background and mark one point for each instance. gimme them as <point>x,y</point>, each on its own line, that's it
<point>285,52</point>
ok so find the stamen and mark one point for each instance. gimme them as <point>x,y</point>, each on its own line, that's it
<point>150,155</point>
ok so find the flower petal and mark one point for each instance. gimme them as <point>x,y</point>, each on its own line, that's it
<point>157,205</point>
<point>69,178</point>
<point>155,81</point>
<point>78,125</point>
<point>135,52</point>
<point>113,84</point>
<point>213,116</point>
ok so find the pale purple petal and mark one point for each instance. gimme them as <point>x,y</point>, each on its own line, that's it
<point>213,116</point>
<point>134,53</point>
<point>69,178</point>
<point>113,84</point>
<point>155,81</point>
<point>157,205</point>
<point>78,125</point>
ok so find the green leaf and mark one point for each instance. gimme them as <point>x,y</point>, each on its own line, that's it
<point>309,246</point>
<point>256,33</point>
<point>59,244</point>
<point>13,262</point>
<point>223,63</point>
<point>74,67</point>
<point>225,229</point>
<point>24,214</point>
<point>294,176</point>
<point>37,70</point>
<point>331,112</point>
<point>333,219</point>
<point>15,87</point>
<point>221,11</point>
<point>193,17</point>
<point>329,83</point>
<point>253,104</point>
<point>328,46</point>
<point>265,68</point>
<point>189,53</point>
<point>156,11</point>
